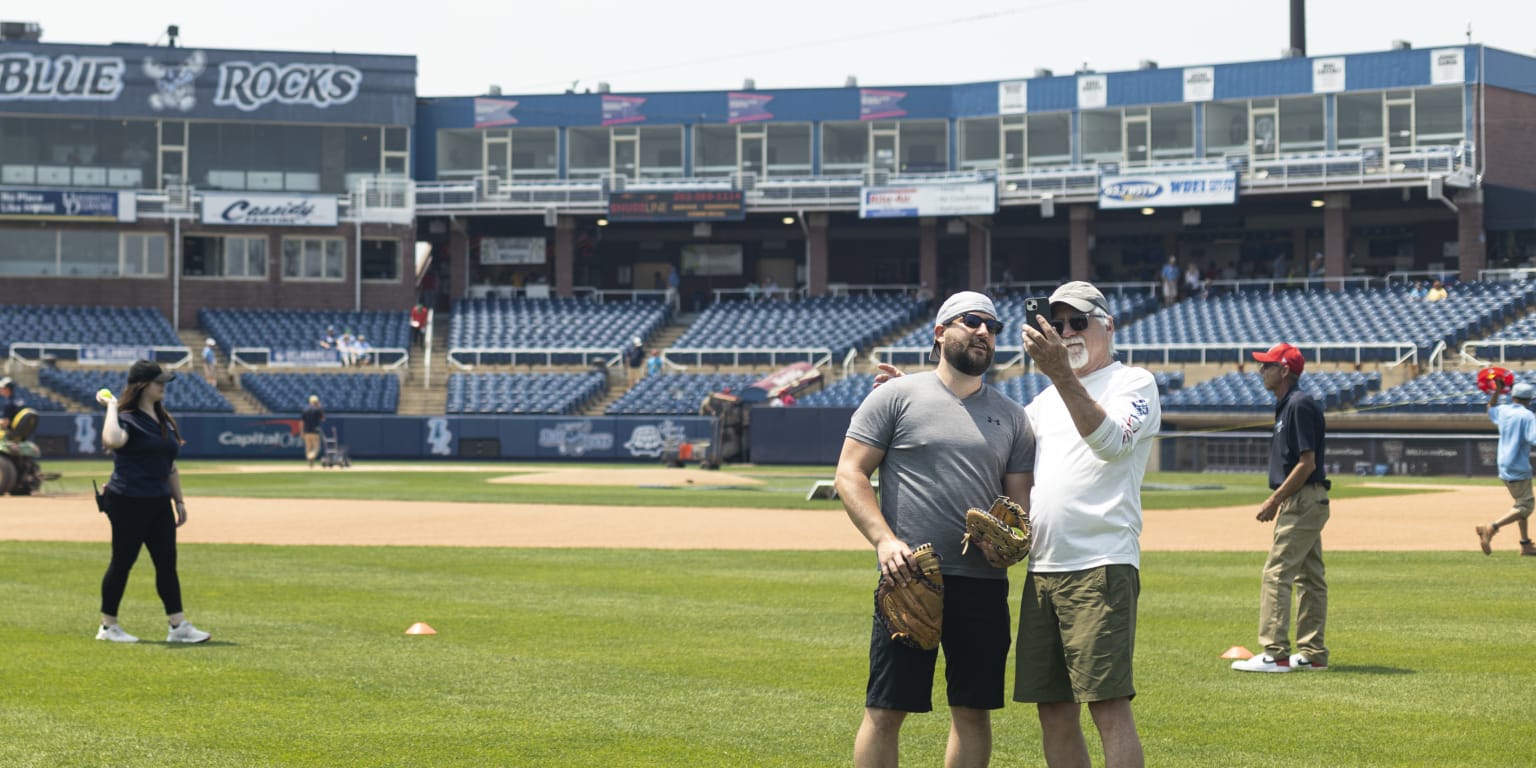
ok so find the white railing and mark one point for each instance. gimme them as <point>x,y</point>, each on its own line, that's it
<point>384,199</point>
<point>384,358</point>
<point>468,358</point>
<point>1472,352</point>
<point>1222,352</point>
<point>817,356</point>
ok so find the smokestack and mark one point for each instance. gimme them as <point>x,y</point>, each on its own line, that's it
<point>1299,28</point>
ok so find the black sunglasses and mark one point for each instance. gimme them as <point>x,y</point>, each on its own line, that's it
<point>1079,323</point>
<point>973,322</point>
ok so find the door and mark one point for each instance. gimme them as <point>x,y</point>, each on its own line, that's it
<point>883,147</point>
<point>751,149</point>
<point>497,160</point>
<point>1264,133</point>
<point>626,157</point>
<point>1013,148</point>
<point>172,165</point>
<point>1137,140</point>
<point>1399,125</point>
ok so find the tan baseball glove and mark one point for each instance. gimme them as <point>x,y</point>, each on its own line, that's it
<point>1001,533</point>
<point>914,613</point>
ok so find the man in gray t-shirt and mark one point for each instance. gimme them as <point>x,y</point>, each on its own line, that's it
<point>943,442</point>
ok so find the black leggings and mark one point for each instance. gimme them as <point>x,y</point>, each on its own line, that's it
<point>136,522</point>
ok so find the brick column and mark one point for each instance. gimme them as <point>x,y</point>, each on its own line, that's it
<point>928,254</point>
<point>979,257</point>
<point>816,255</point>
<point>1335,235</point>
<point>458,259</point>
<point>1081,227</point>
<point>565,254</point>
<point>1471,240</point>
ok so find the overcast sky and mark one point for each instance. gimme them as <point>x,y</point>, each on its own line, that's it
<point>544,46</point>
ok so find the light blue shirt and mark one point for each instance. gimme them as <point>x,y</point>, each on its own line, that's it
<point>1517,432</point>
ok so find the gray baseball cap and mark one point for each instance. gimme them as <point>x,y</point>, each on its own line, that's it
<point>957,305</point>
<point>1081,296</point>
<point>1523,391</point>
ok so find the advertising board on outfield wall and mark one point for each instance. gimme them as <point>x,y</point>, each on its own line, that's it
<point>67,205</point>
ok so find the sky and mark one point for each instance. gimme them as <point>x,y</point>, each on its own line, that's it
<point>547,46</point>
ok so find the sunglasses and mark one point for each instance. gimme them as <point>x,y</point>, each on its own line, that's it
<point>973,322</point>
<point>1079,323</point>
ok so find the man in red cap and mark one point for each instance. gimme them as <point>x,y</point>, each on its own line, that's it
<point>1299,507</point>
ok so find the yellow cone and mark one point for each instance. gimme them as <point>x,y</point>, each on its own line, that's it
<point>423,628</point>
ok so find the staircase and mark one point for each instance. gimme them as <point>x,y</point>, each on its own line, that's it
<point>416,398</point>
<point>618,382</point>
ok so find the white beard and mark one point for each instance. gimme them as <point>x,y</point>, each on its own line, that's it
<point>1077,355</point>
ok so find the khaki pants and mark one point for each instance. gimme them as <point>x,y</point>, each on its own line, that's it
<point>1520,491</point>
<point>1296,557</point>
<point>311,445</point>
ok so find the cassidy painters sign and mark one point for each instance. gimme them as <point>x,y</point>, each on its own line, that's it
<point>242,209</point>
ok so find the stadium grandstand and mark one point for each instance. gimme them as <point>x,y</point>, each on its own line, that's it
<point>507,256</point>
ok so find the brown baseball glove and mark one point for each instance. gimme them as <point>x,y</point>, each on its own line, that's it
<point>914,613</point>
<point>1001,533</point>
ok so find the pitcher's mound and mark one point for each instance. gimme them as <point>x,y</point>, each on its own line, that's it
<point>652,476</point>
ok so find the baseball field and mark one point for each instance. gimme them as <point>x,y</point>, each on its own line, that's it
<point>617,615</point>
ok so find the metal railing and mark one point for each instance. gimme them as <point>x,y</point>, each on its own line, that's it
<point>738,356</point>
<point>1469,352</point>
<point>384,358</point>
<point>36,353</point>
<point>1227,352</point>
<point>469,358</point>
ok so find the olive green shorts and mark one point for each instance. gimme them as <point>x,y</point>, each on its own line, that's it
<point>1077,634</point>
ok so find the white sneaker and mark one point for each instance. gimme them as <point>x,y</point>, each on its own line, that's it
<point>116,634</point>
<point>1300,664</point>
<point>1262,663</point>
<point>186,633</point>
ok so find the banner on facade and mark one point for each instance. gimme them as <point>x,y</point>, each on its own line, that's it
<point>1328,75</point>
<point>1446,67</point>
<point>512,250</point>
<point>246,209</point>
<point>1167,190</point>
<point>67,205</point>
<point>928,200</point>
<point>1199,83</point>
<point>722,259</point>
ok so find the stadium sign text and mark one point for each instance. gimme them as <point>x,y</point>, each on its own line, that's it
<point>25,77</point>
<point>277,210</point>
<point>1178,189</point>
<point>248,86</point>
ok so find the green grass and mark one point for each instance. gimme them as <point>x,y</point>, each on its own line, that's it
<point>705,658</point>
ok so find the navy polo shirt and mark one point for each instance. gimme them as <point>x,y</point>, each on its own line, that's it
<point>1299,427</point>
<point>142,467</point>
<point>312,417</point>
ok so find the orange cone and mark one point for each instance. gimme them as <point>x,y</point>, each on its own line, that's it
<point>1237,652</point>
<point>423,628</point>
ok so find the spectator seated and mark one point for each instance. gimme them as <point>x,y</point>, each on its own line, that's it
<point>491,331</point>
<point>838,323</point>
<point>300,330</point>
<point>677,393</point>
<point>338,392</point>
<point>187,393</point>
<point>516,393</point>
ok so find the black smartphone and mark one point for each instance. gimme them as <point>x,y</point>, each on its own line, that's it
<point>1036,307</point>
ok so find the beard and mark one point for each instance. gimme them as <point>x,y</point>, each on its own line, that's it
<point>969,358</point>
<point>1077,355</point>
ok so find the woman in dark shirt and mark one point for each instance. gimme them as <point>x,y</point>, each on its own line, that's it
<point>139,499</point>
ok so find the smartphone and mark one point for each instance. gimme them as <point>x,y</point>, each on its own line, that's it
<point>1036,307</point>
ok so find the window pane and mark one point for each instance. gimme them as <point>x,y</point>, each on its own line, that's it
<point>789,150</point>
<point>661,151</point>
<point>1101,135</point>
<point>978,142</point>
<point>1226,128</point>
<point>588,152</point>
<point>714,150</point>
<point>1173,133</point>
<point>924,146</point>
<point>293,257</point>
<point>199,256</point>
<point>1437,115</point>
<point>255,257</point>
<point>1301,124</point>
<point>28,252</point>
<point>844,147</point>
<point>154,255</point>
<point>397,139</point>
<point>88,254</point>
<point>458,153</point>
<point>333,256</point>
<point>1358,116</point>
<point>534,153</point>
<point>381,259</point>
<point>1050,139</point>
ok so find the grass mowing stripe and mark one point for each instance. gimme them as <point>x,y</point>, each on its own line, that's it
<point>665,658</point>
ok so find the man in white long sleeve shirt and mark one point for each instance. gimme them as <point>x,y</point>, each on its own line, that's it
<point>1094,429</point>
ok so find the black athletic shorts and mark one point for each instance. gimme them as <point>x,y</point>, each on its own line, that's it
<point>977,635</point>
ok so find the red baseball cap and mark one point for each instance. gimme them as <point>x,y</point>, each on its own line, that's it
<point>1285,355</point>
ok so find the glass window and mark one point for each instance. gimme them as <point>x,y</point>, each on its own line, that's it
<point>317,258</point>
<point>1050,139</point>
<point>1301,124</point>
<point>661,152</point>
<point>1437,115</point>
<point>924,146</point>
<point>143,254</point>
<point>245,257</point>
<point>80,153</point>
<point>535,154</point>
<point>979,143</point>
<point>397,139</point>
<point>235,256</point>
<point>1226,128</point>
<point>88,254</point>
<point>789,150</point>
<point>714,150</point>
<point>844,148</point>
<point>381,259</point>
<point>1357,117</point>
<point>1173,132</point>
<point>29,252</point>
<point>588,152</point>
<point>1101,135</point>
<point>458,154</point>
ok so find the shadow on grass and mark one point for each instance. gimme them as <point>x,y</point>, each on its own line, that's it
<point>193,646</point>
<point>1355,669</point>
